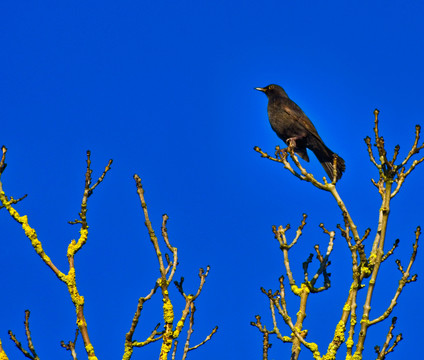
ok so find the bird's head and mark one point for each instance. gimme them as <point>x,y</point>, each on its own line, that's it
<point>273,91</point>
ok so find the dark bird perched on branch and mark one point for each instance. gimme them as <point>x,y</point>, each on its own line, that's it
<point>292,126</point>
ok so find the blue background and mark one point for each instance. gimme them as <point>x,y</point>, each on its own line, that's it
<point>165,89</point>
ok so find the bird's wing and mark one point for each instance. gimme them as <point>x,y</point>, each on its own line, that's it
<point>291,108</point>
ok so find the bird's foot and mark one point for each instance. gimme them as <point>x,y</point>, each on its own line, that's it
<point>291,142</point>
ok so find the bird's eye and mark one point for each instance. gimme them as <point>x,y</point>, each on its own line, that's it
<point>270,87</point>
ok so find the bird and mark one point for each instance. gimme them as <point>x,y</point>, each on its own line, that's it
<point>293,127</point>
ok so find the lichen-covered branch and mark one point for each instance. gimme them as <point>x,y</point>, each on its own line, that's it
<point>13,201</point>
<point>30,233</point>
<point>278,298</point>
<point>167,269</point>
<point>3,355</point>
<point>70,278</point>
<point>298,334</point>
<point>365,264</point>
<point>74,247</point>
<point>129,343</point>
<point>154,336</point>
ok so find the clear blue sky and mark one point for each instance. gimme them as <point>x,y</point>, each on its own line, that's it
<point>165,89</point>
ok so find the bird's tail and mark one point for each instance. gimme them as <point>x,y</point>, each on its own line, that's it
<point>326,158</point>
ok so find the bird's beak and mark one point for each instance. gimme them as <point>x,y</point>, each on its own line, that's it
<point>260,89</point>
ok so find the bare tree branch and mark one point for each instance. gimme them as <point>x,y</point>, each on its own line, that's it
<point>364,265</point>
<point>167,269</point>
<point>266,344</point>
<point>70,346</point>
<point>70,278</point>
<point>3,159</point>
<point>381,354</point>
<point>31,354</point>
<point>403,281</point>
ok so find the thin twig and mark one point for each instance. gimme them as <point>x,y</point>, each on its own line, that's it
<point>14,201</point>
<point>167,272</point>
<point>70,346</point>
<point>28,335</point>
<point>154,336</point>
<point>32,354</point>
<point>386,349</point>
<point>3,159</point>
<point>281,157</point>
<point>266,345</point>
<point>403,281</point>
<point>129,343</point>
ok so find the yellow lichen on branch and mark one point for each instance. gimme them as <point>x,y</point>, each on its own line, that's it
<point>3,355</point>
<point>338,339</point>
<point>76,298</point>
<point>31,234</point>
<point>365,265</point>
<point>167,268</point>
<point>168,311</point>
<point>74,246</point>
<point>90,352</point>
